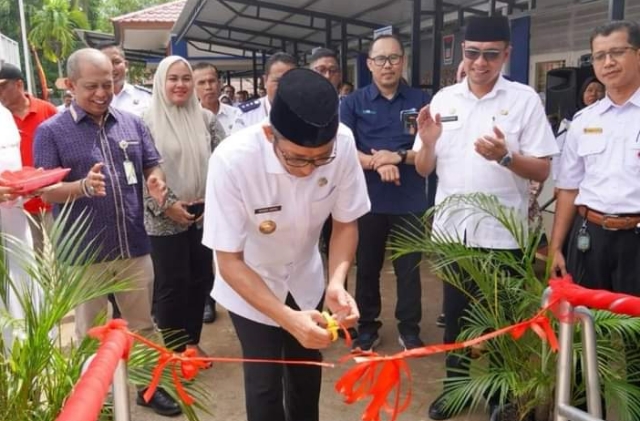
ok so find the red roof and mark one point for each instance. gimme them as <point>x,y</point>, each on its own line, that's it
<point>167,12</point>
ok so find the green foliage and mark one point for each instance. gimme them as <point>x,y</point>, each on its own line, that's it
<point>52,29</point>
<point>37,368</point>
<point>508,290</point>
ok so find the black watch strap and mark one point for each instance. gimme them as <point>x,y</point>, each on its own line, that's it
<point>403,155</point>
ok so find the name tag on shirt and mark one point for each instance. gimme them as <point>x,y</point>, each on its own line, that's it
<point>449,118</point>
<point>592,130</point>
<point>268,209</point>
<point>130,172</point>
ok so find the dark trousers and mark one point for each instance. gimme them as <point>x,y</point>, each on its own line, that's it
<point>612,263</point>
<point>455,305</point>
<point>276,392</point>
<point>374,231</point>
<point>183,270</point>
<point>325,238</point>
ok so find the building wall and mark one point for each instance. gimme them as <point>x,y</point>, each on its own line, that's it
<point>560,31</point>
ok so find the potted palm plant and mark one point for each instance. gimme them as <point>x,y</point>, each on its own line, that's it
<point>38,369</point>
<point>520,373</point>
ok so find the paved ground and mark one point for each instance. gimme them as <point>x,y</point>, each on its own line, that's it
<point>225,382</point>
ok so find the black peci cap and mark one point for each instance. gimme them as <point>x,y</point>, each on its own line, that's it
<point>305,108</point>
<point>487,29</point>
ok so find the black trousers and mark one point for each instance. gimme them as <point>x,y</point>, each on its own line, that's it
<point>455,305</point>
<point>276,392</point>
<point>374,231</point>
<point>612,263</point>
<point>183,270</point>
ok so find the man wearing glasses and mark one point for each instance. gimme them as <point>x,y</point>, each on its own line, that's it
<point>379,116</point>
<point>269,190</point>
<point>484,134</point>
<point>598,208</point>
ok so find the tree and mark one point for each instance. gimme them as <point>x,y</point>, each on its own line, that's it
<point>52,30</point>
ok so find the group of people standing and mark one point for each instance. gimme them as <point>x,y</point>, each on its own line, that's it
<point>175,180</point>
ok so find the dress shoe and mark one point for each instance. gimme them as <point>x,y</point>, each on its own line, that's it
<point>437,410</point>
<point>209,315</point>
<point>161,402</point>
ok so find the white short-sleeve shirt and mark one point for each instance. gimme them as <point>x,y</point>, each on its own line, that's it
<point>227,116</point>
<point>258,110</point>
<point>601,157</point>
<point>247,187</point>
<point>133,99</point>
<point>517,111</point>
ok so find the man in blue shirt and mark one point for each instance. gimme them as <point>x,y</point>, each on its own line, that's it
<point>380,116</point>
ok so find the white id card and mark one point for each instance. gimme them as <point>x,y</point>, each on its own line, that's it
<point>130,172</point>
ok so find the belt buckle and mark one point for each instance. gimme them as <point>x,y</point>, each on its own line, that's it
<point>605,218</point>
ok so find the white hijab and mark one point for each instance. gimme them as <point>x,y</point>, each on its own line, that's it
<point>180,135</point>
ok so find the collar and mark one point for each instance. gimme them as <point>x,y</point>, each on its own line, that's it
<point>78,114</point>
<point>271,161</point>
<point>266,104</point>
<point>462,88</point>
<point>373,91</point>
<point>126,89</point>
<point>605,103</point>
<point>32,104</point>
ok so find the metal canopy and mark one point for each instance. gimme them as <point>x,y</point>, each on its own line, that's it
<point>255,25</point>
<point>94,39</point>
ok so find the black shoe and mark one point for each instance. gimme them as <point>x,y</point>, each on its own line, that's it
<point>440,321</point>
<point>161,402</point>
<point>408,342</point>
<point>366,342</point>
<point>352,332</point>
<point>209,315</point>
<point>438,412</point>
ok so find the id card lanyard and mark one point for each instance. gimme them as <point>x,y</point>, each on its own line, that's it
<point>129,168</point>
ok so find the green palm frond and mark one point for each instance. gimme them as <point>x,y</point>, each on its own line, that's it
<point>38,368</point>
<point>505,288</point>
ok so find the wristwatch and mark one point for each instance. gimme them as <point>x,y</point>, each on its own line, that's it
<point>403,155</point>
<point>507,159</point>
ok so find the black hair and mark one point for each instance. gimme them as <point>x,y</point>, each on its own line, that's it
<point>204,65</point>
<point>110,44</point>
<point>280,57</point>
<point>386,36</point>
<point>632,29</point>
<point>322,52</point>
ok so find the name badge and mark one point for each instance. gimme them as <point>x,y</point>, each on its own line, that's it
<point>130,173</point>
<point>592,130</point>
<point>449,118</point>
<point>268,209</point>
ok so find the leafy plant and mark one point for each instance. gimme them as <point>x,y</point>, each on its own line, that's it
<point>508,289</point>
<point>38,369</point>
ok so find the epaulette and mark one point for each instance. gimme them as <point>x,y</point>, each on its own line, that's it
<point>588,107</point>
<point>249,105</point>
<point>143,89</point>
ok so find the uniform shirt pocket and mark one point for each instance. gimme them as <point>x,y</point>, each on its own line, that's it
<point>632,157</point>
<point>322,204</point>
<point>591,148</point>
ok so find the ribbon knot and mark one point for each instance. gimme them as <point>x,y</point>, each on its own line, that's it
<point>101,333</point>
<point>189,364</point>
<point>541,326</point>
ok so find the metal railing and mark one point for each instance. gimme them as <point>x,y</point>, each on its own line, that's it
<point>564,373</point>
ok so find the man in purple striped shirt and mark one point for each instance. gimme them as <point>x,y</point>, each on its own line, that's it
<point>110,154</point>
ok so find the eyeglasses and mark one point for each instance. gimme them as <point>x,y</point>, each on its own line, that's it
<point>380,61</point>
<point>614,53</point>
<point>303,162</point>
<point>488,55</point>
<point>324,70</point>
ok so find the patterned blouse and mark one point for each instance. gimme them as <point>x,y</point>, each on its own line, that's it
<point>155,221</point>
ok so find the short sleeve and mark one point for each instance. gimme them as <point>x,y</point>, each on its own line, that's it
<point>353,197</point>
<point>45,149</point>
<point>150,155</point>
<point>571,169</point>
<point>225,217</point>
<point>537,138</point>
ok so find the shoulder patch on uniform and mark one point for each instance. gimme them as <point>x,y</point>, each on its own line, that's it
<point>143,89</point>
<point>585,109</point>
<point>249,105</point>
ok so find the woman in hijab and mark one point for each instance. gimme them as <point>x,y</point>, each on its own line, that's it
<point>185,135</point>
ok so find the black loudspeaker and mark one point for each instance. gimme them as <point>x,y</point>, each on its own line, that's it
<point>563,90</point>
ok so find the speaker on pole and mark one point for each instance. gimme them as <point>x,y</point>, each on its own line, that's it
<point>563,90</point>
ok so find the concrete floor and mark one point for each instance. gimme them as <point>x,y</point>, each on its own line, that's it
<point>225,383</point>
